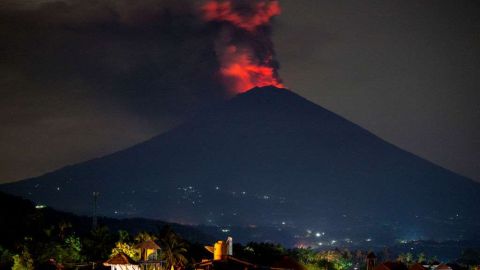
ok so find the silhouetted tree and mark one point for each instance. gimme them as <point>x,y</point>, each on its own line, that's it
<point>6,260</point>
<point>98,244</point>
<point>470,257</point>
<point>406,258</point>
<point>421,257</point>
<point>174,248</point>
<point>144,236</point>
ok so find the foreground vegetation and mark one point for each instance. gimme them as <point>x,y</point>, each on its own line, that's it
<point>34,238</point>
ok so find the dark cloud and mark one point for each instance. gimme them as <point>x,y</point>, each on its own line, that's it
<point>84,78</point>
<point>149,54</point>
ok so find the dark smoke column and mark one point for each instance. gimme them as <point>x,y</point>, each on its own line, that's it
<point>243,46</point>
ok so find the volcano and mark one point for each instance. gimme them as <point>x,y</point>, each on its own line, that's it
<point>270,158</point>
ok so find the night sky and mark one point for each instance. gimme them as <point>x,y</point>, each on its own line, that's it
<point>84,78</point>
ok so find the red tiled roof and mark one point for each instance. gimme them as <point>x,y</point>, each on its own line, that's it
<point>120,258</point>
<point>443,267</point>
<point>391,266</point>
<point>232,263</point>
<point>417,266</point>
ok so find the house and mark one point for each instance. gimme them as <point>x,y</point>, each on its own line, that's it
<point>417,266</point>
<point>148,251</point>
<point>149,255</point>
<point>121,261</point>
<point>391,266</point>
<point>228,262</point>
<point>443,267</point>
<point>223,259</point>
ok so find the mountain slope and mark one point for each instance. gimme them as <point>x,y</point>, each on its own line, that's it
<point>268,157</point>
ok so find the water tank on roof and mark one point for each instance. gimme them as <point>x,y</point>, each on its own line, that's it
<point>218,251</point>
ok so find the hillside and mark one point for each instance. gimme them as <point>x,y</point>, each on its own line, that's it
<point>21,219</point>
<point>270,158</point>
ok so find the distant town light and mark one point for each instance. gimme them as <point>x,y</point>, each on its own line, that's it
<point>40,206</point>
<point>318,234</point>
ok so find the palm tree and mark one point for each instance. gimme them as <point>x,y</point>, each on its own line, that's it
<point>174,249</point>
<point>144,236</point>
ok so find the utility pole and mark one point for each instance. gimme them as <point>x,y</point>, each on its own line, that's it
<point>94,218</point>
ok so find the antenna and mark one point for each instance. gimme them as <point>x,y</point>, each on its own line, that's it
<point>94,218</point>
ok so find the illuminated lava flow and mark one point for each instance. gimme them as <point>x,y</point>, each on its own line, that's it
<point>248,61</point>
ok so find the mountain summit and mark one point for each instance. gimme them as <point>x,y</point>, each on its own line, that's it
<point>269,157</point>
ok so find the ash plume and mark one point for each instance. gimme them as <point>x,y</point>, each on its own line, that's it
<point>243,45</point>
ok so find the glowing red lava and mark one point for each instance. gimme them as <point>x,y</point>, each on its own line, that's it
<point>241,68</point>
<point>242,73</point>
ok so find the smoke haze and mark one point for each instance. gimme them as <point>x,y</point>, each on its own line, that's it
<point>76,73</point>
